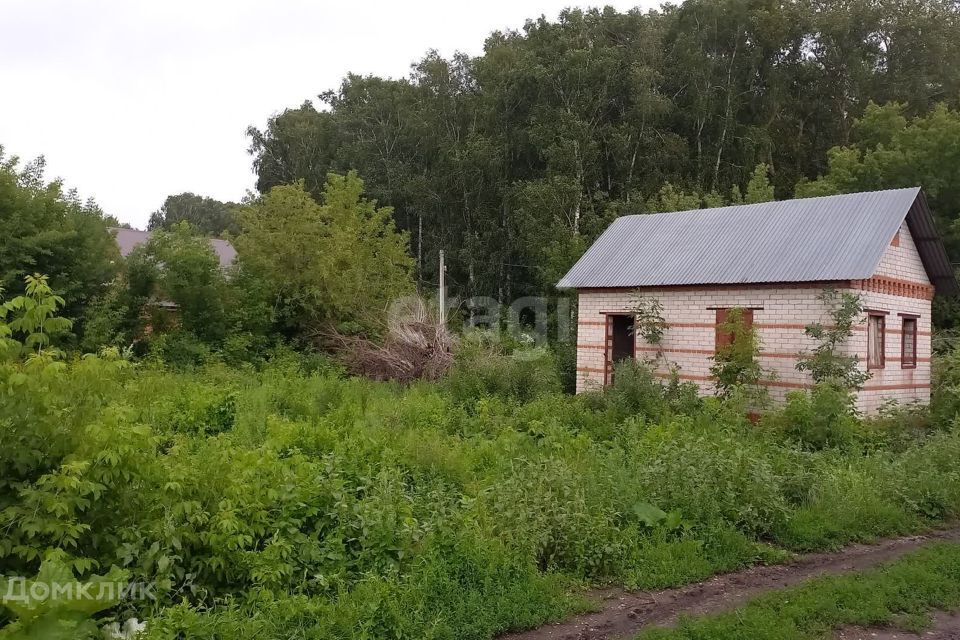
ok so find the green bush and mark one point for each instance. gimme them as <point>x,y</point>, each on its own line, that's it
<point>824,417</point>
<point>482,370</point>
<point>637,391</point>
<point>287,501</point>
<point>179,349</point>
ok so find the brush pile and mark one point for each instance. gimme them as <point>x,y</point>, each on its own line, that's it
<point>416,346</point>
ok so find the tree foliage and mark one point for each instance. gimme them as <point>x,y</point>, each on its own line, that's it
<point>210,217</point>
<point>514,160</point>
<point>45,230</point>
<point>336,262</point>
<point>827,362</point>
<point>736,363</point>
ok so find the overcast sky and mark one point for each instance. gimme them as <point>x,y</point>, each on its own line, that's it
<point>134,100</point>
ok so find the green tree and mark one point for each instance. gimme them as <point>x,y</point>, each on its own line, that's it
<point>514,160</point>
<point>46,230</point>
<point>759,188</point>
<point>211,217</point>
<point>34,316</point>
<point>172,281</point>
<point>892,151</point>
<point>338,264</point>
<point>825,363</point>
<point>736,363</point>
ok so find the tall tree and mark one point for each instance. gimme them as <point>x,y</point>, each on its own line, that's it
<point>513,161</point>
<point>46,230</point>
<point>338,264</point>
<point>210,217</point>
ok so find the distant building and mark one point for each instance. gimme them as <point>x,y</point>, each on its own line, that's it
<point>772,260</point>
<point>129,239</point>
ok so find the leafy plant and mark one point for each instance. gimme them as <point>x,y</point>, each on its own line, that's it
<point>34,316</point>
<point>648,320</point>
<point>54,605</point>
<point>827,362</point>
<point>736,363</point>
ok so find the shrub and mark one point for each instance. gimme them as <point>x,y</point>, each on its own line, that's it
<point>180,349</point>
<point>736,364</point>
<point>637,391</point>
<point>825,363</point>
<point>289,501</point>
<point>481,370</point>
<point>824,417</point>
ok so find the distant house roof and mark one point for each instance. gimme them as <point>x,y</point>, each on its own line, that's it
<point>129,239</point>
<point>807,240</point>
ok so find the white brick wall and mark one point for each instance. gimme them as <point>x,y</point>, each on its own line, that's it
<point>903,262</point>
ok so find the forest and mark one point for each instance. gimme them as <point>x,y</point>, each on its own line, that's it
<point>515,160</point>
<point>256,451</point>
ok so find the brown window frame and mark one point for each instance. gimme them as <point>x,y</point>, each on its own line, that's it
<point>881,316</point>
<point>722,339</point>
<point>911,362</point>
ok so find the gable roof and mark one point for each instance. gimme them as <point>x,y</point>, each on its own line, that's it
<point>806,240</point>
<point>130,239</point>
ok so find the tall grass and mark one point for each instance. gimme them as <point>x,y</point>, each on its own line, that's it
<point>286,502</point>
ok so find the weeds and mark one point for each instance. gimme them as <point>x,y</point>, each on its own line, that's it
<point>288,501</point>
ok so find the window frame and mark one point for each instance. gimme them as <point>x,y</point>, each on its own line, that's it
<point>881,321</point>
<point>913,319</point>
<point>723,339</point>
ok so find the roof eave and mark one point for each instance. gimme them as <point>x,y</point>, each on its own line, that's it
<point>933,254</point>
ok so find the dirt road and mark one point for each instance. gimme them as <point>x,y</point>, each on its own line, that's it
<point>623,614</point>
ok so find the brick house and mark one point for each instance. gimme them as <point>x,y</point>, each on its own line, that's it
<point>772,260</point>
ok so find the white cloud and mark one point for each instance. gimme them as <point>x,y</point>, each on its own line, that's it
<point>131,101</point>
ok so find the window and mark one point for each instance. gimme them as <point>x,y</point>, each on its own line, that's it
<point>908,343</point>
<point>876,340</point>
<point>724,338</point>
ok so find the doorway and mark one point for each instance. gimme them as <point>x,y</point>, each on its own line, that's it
<point>620,345</point>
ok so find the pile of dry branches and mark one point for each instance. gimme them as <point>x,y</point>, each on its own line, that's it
<point>416,346</point>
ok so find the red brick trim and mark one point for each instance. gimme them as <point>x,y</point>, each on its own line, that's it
<point>764,383</point>
<point>774,383</point>
<point>895,287</point>
<point>896,387</point>
<point>708,352</point>
<point>863,327</point>
<point>589,370</point>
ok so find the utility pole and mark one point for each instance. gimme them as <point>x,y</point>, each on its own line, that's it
<point>443,290</point>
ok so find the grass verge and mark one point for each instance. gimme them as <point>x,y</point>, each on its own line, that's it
<point>900,594</point>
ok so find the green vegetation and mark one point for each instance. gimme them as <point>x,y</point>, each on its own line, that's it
<point>167,422</point>
<point>206,215</point>
<point>286,501</point>
<point>825,362</point>
<point>901,594</point>
<point>513,161</point>
<point>736,364</point>
<point>326,265</point>
<point>43,229</point>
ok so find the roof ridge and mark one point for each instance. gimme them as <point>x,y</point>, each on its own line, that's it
<point>768,203</point>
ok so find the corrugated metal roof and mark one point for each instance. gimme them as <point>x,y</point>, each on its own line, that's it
<point>129,239</point>
<point>807,240</point>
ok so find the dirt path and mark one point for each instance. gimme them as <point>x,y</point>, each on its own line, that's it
<point>946,626</point>
<point>623,614</point>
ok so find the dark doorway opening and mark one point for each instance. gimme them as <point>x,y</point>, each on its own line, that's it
<point>620,342</point>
